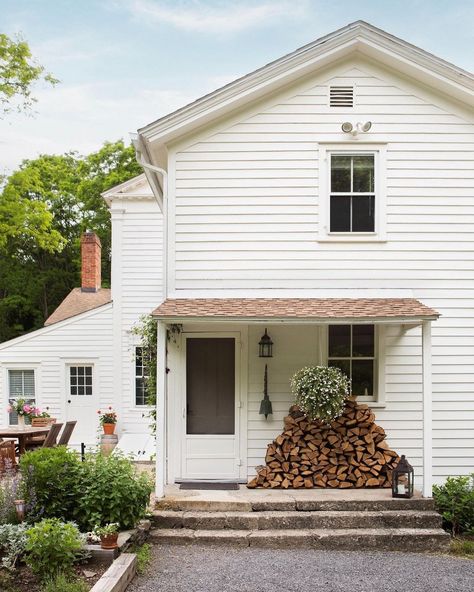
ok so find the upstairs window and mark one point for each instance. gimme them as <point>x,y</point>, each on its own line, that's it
<point>352,193</point>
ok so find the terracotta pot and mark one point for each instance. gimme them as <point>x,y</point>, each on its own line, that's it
<point>109,428</point>
<point>109,541</point>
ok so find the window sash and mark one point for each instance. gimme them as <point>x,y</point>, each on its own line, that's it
<point>21,385</point>
<point>141,394</point>
<point>355,358</point>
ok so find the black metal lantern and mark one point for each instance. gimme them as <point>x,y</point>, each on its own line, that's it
<point>265,403</point>
<point>265,346</point>
<point>402,479</point>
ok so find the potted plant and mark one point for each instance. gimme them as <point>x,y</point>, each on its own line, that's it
<point>107,420</point>
<point>108,535</point>
<point>320,392</point>
<point>23,410</point>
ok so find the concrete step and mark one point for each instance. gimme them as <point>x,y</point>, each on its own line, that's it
<point>288,504</point>
<point>388,539</point>
<point>274,520</point>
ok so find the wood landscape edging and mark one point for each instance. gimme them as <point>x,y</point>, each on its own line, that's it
<point>119,575</point>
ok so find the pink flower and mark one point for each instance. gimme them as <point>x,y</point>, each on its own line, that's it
<point>27,408</point>
<point>9,409</point>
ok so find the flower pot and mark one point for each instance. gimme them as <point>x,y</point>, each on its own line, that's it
<point>109,541</point>
<point>21,422</point>
<point>109,428</point>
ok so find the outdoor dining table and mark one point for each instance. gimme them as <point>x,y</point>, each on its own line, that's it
<point>22,434</point>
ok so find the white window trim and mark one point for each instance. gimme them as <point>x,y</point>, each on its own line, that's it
<point>379,151</point>
<point>378,399</point>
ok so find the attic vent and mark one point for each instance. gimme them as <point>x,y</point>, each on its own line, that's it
<point>341,96</point>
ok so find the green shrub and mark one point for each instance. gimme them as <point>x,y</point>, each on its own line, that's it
<point>320,392</point>
<point>63,583</point>
<point>112,491</point>
<point>52,482</point>
<point>13,541</point>
<point>455,501</point>
<point>52,547</point>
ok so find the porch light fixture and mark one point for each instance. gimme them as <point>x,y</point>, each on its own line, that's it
<point>265,346</point>
<point>402,479</point>
<point>265,404</point>
<point>359,127</point>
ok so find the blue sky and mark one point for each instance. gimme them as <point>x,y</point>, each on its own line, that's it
<point>124,63</point>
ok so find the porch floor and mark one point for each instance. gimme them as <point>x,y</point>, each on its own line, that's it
<point>245,499</point>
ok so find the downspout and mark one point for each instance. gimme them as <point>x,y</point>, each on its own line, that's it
<point>162,200</point>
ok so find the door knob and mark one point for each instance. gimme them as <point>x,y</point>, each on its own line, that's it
<point>69,400</point>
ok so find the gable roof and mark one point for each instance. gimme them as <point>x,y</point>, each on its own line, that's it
<point>77,302</point>
<point>136,188</point>
<point>358,36</point>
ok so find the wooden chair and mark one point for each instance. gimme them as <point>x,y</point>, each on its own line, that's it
<point>67,433</point>
<point>52,435</point>
<point>34,442</point>
<point>7,456</point>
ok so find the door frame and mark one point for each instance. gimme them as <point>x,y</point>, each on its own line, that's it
<point>240,337</point>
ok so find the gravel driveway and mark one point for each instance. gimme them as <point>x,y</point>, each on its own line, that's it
<point>230,569</point>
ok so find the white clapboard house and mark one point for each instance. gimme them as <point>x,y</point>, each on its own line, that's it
<point>327,198</point>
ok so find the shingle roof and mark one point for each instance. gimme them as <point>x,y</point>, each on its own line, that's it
<point>77,302</point>
<point>294,308</point>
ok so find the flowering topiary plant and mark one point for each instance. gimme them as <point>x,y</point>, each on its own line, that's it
<point>320,392</point>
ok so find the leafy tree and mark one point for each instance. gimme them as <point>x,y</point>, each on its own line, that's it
<point>44,208</point>
<point>18,73</point>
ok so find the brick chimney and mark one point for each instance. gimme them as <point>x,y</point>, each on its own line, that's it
<point>91,262</point>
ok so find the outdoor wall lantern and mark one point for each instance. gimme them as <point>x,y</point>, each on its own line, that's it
<point>265,346</point>
<point>402,479</point>
<point>20,510</point>
<point>265,404</point>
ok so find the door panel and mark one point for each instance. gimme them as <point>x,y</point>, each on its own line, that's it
<point>211,405</point>
<point>210,386</point>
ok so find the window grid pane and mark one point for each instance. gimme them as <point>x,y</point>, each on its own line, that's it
<point>357,361</point>
<point>140,378</point>
<point>80,380</point>
<point>353,175</point>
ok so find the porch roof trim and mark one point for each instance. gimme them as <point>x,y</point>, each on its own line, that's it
<point>323,310</point>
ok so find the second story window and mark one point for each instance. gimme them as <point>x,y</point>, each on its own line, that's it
<point>352,193</point>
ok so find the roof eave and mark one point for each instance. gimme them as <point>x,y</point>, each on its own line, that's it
<point>395,320</point>
<point>356,36</point>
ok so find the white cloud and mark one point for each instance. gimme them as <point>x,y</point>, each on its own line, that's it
<point>218,17</point>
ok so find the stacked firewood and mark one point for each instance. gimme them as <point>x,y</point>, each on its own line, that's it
<point>350,452</point>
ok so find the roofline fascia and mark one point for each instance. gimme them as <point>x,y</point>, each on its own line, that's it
<point>293,63</point>
<point>299,320</point>
<point>51,327</point>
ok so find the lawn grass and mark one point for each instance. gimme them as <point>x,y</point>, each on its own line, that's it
<point>462,547</point>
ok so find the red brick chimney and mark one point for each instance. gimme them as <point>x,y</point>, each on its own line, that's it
<point>91,262</point>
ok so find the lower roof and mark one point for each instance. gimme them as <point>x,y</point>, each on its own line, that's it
<point>77,302</point>
<point>311,309</point>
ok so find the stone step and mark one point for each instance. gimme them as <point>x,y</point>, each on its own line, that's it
<point>388,539</point>
<point>272,520</point>
<point>293,504</point>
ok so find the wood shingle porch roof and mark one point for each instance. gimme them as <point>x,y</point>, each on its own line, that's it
<point>312,309</point>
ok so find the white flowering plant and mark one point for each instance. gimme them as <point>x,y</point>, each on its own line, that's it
<point>320,392</point>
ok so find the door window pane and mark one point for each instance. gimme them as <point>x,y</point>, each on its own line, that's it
<point>210,386</point>
<point>80,381</point>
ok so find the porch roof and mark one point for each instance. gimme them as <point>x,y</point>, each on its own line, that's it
<point>323,310</point>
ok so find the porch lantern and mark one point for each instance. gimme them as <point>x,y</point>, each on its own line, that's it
<point>402,479</point>
<point>265,403</point>
<point>20,509</point>
<point>265,346</point>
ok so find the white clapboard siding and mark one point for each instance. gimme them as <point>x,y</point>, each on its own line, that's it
<point>141,287</point>
<point>87,337</point>
<point>246,216</point>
